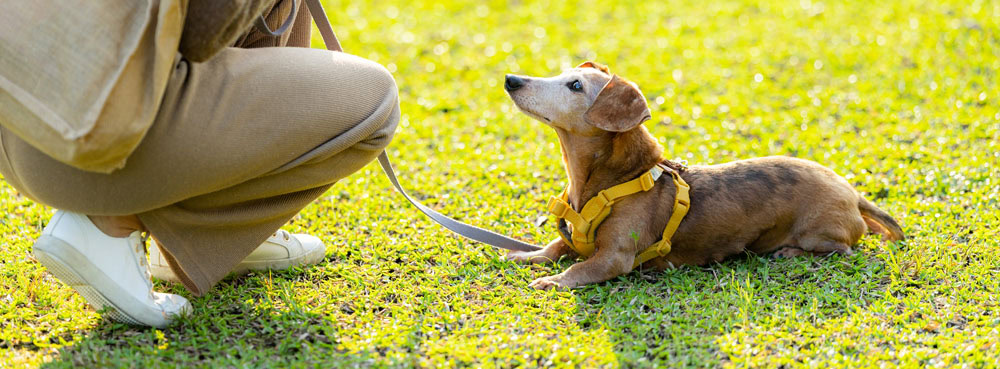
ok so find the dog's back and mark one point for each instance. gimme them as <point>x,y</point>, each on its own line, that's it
<point>764,204</point>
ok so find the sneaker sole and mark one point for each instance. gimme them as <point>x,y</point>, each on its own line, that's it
<point>69,266</point>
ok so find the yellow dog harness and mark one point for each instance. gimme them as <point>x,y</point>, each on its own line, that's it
<point>598,208</point>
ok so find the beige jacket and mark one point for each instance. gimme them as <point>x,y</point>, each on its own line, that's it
<point>82,80</point>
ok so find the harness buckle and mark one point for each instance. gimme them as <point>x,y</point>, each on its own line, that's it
<point>647,181</point>
<point>681,185</point>
<point>604,197</point>
<point>663,249</point>
<point>557,207</point>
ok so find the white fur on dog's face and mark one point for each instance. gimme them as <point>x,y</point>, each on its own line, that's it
<point>554,102</point>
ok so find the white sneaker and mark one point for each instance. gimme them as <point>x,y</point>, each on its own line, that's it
<point>281,251</point>
<point>108,272</point>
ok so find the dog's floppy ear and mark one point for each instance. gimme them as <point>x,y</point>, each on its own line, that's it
<point>619,107</point>
<point>598,66</point>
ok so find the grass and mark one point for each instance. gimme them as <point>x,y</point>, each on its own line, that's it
<point>900,97</point>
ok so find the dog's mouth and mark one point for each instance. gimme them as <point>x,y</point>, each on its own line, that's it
<point>528,112</point>
<point>533,114</point>
<point>537,116</point>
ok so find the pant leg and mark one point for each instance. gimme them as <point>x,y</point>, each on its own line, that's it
<point>241,143</point>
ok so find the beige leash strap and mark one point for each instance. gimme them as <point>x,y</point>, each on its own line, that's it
<point>469,231</point>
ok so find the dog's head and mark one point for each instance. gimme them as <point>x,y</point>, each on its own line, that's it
<point>587,100</point>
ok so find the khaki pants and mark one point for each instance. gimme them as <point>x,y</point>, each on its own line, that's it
<point>240,145</point>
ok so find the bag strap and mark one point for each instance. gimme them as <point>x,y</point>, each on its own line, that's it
<point>469,231</point>
<point>261,23</point>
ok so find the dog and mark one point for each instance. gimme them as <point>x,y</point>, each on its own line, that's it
<point>780,205</point>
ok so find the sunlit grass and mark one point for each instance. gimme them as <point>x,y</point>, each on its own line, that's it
<point>899,97</point>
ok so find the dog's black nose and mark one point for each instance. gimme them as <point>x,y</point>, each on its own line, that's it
<point>513,82</point>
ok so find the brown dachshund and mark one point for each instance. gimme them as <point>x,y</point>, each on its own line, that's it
<point>774,204</point>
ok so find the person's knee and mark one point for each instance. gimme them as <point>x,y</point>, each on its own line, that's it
<point>385,118</point>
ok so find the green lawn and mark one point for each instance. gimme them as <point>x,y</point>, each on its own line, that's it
<point>901,98</point>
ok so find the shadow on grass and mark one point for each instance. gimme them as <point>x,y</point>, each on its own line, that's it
<point>236,325</point>
<point>639,320</point>
<point>676,316</point>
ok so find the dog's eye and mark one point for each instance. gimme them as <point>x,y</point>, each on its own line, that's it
<point>575,86</point>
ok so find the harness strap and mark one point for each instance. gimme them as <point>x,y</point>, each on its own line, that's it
<point>596,209</point>
<point>585,223</point>
<point>682,203</point>
<point>469,231</point>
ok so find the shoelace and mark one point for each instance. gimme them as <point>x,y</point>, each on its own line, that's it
<point>283,234</point>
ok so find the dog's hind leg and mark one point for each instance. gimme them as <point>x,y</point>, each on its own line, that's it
<point>832,229</point>
<point>822,245</point>
<point>787,252</point>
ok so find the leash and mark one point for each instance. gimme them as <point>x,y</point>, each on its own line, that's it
<point>468,231</point>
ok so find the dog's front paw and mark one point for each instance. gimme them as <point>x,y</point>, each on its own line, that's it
<point>527,257</point>
<point>550,282</point>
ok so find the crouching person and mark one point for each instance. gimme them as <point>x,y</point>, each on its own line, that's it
<point>193,127</point>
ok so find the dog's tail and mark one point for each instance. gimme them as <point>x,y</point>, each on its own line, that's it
<point>879,221</point>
